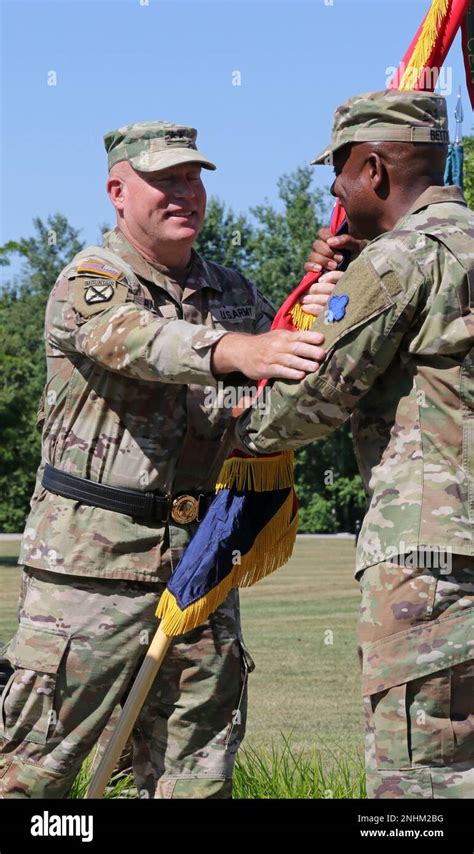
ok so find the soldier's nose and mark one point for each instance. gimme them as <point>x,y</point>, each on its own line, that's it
<point>184,189</point>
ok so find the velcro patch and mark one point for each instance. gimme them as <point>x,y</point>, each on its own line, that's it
<point>365,297</point>
<point>96,291</point>
<point>101,268</point>
<point>91,296</point>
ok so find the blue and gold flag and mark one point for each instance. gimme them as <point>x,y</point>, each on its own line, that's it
<point>248,531</point>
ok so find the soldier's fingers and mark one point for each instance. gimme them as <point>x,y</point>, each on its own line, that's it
<point>324,232</point>
<point>319,287</point>
<point>317,262</point>
<point>306,351</point>
<point>346,241</point>
<point>309,366</point>
<point>312,267</point>
<point>314,299</point>
<point>332,277</point>
<point>284,373</point>
<point>340,241</point>
<point>307,337</point>
<point>320,249</point>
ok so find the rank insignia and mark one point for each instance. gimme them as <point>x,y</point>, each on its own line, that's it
<point>336,308</point>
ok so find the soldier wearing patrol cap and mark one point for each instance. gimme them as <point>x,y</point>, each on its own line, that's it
<point>399,340</point>
<point>137,332</point>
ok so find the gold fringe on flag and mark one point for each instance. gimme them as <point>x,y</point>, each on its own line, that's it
<point>301,319</point>
<point>257,474</point>
<point>272,548</point>
<point>419,59</point>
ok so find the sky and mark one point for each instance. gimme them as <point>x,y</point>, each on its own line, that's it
<point>113,62</point>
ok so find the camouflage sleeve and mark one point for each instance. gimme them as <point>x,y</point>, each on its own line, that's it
<point>264,313</point>
<point>125,337</point>
<point>376,301</point>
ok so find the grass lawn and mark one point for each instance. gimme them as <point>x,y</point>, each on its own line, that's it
<point>10,586</point>
<point>299,626</point>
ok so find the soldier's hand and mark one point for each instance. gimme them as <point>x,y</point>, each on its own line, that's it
<point>325,255</point>
<point>279,353</point>
<point>315,301</point>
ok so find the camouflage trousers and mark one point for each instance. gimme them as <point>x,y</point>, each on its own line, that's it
<point>416,645</point>
<point>76,651</point>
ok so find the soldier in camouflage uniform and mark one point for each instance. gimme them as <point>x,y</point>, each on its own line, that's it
<point>137,332</point>
<point>399,340</point>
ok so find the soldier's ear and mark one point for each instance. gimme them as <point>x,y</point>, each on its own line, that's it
<point>378,174</point>
<point>115,187</point>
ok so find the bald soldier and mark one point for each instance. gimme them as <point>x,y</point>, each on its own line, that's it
<point>399,341</point>
<point>137,330</point>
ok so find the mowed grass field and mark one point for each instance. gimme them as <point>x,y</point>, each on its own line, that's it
<point>299,626</point>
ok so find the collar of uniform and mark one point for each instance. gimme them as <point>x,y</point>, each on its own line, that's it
<point>117,242</point>
<point>434,195</point>
<point>198,277</point>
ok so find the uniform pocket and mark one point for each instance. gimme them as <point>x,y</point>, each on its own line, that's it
<point>431,730</point>
<point>395,597</point>
<point>27,704</point>
<point>390,728</point>
<point>411,724</point>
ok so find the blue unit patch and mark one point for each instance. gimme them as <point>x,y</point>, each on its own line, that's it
<point>336,308</point>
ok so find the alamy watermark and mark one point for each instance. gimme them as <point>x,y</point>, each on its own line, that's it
<point>230,397</point>
<point>49,824</point>
<point>421,557</point>
<point>433,78</point>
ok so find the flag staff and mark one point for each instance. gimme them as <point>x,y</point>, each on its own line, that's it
<point>459,116</point>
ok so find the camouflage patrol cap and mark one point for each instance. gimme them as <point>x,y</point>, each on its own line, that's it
<point>390,115</point>
<point>150,146</point>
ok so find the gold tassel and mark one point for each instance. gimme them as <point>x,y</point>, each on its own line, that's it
<point>272,548</point>
<point>424,46</point>
<point>257,474</point>
<point>301,319</point>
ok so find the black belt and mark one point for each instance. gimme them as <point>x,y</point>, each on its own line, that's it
<point>182,508</point>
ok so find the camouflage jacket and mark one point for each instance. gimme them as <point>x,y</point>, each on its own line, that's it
<point>128,403</point>
<point>399,360</point>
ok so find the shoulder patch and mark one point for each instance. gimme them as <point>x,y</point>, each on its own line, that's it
<point>90,296</point>
<point>358,296</point>
<point>100,268</point>
<point>336,308</point>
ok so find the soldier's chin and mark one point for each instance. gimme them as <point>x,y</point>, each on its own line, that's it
<point>184,229</point>
<point>354,229</point>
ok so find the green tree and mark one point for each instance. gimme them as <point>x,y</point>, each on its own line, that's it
<point>22,359</point>
<point>281,240</point>
<point>327,470</point>
<point>225,237</point>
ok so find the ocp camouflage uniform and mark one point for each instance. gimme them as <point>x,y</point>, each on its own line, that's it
<point>400,362</point>
<point>128,403</point>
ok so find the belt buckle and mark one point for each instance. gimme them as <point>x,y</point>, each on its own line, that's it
<point>184,509</point>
